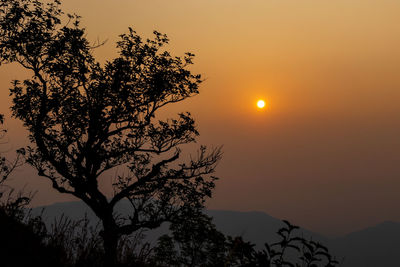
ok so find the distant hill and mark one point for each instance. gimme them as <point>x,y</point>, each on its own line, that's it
<point>377,246</point>
<point>372,247</point>
<point>257,227</point>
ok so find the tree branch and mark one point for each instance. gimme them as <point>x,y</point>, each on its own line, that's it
<point>154,171</point>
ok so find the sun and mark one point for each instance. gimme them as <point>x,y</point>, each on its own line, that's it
<point>260,103</point>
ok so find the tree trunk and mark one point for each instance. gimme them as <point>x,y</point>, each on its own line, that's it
<point>110,243</point>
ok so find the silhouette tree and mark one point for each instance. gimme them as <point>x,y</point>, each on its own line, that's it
<point>194,241</point>
<point>85,118</point>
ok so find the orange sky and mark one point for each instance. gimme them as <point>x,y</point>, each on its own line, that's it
<point>325,154</point>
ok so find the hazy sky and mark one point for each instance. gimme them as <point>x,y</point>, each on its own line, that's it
<point>325,154</point>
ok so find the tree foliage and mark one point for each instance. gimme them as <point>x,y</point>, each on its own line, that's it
<point>193,242</point>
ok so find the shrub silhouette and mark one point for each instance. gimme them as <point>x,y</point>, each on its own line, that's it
<point>21,235</point>
<point>19,245</point>
<point>193,242</point>
<point>196,242</point>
